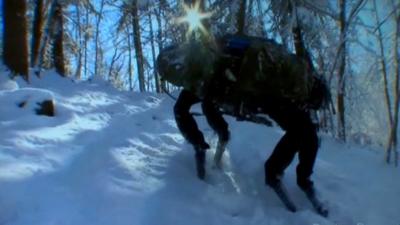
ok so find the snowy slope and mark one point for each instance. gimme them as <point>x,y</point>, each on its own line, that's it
<point>111,157</point>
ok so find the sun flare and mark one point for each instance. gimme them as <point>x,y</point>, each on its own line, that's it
<point>193,18</point>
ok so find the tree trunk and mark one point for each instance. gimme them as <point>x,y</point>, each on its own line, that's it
<point>153,54</point>
<point>96,41</point>
<point>388,103</point>
<point>138,45</point>
<point>392,140</point>
<point>298,37</point>
<point>85,42</point>
<point>130,68</point>
<point>37,31</point>
<point>384,73</point>
<point>341,72</point>
<point>241,17</point>
<point>163,85</point>
<point>396,89</point>
<point>114,59</point>
<point>78,72</point>
<point>47,36</point>
<point>58,39</point>
<point>15,42</point>
<point>260,16</point>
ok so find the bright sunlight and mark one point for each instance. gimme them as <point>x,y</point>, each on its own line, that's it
<point>193,17</point>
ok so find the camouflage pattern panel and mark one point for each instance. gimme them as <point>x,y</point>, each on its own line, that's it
<point>200,61</point>
<point>269,69</point>
<point>189,65</point>
<point>170,65</point>
<point>298,80</point>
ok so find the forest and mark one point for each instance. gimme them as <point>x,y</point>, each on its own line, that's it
<point>354,44</point>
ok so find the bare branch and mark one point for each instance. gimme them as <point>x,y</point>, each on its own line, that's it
<point>319,10</point>
<point>356,9</point>
<point>384,20</point>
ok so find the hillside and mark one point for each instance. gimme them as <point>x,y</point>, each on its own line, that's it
<point>112,157</point>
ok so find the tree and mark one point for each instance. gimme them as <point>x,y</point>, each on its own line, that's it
<point>394,128</point>
<point>388,64</point>
<point>130,67</point>
<point>99,17</point>
<point>79,40</point>
<point>138,44</point>
<point>37,31</point>
<point>298,39</point>
<point>58,38</point>
<point>393,133</point>
<point>158,13</point>
<point>241,17</point>
<point>15,43</point>
<point>153,54</point>
<point>341,72</point>
<point>86,34</point>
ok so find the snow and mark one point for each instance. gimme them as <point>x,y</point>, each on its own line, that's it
<point>112,157</point>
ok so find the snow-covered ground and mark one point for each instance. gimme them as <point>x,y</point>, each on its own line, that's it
<point>111,158</point>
